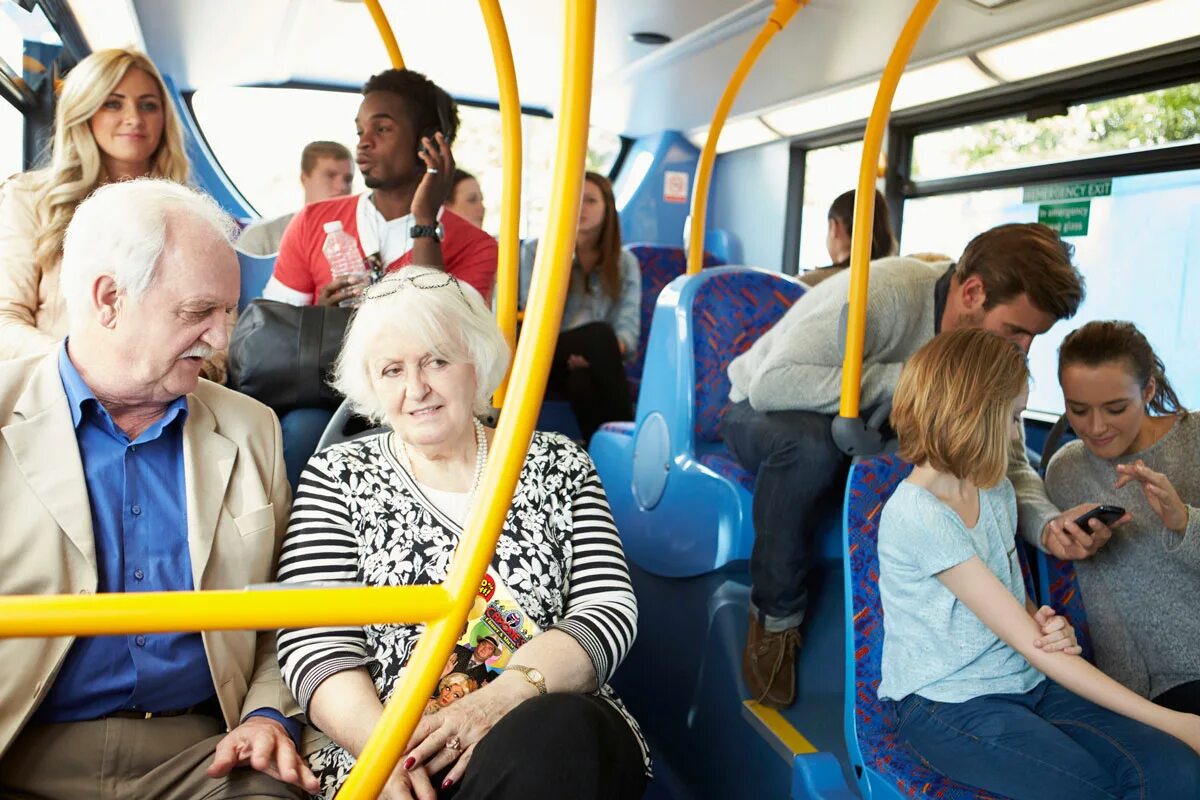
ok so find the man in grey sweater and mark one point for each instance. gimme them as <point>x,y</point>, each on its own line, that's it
<point>1015,280</point>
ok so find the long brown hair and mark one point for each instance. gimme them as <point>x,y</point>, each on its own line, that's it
<point>609,265</point>
<point>1103,342</point>
<point>883,240</point>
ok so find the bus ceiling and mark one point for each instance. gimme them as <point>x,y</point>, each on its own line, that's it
<point>969,46</point>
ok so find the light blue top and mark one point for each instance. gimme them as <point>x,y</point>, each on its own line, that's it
<point>933,645</point>
<point>588,302</point>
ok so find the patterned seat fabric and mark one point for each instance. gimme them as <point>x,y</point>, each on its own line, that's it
<point>659,266</point>
<point>730,312</point>
<point>623,428</point>
<point>1065,598</point>
<point>871,484</point>
<point>729,469</point>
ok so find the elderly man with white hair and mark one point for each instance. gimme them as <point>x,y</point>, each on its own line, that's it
<point>122,471</point>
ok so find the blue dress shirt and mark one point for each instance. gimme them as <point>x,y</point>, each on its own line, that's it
<point>137,493</point>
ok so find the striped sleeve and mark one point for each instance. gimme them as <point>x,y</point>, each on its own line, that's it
<point>601,610</point>
<point>320,546</point>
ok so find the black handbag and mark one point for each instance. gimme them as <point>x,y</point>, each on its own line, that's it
<point>282,355</point>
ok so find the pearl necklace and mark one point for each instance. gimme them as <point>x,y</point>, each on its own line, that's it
<point>481,452</point>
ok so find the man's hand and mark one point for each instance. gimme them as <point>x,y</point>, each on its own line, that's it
<point>434,189</point>
<point>264,745</point>
<point>342,287</point>
<point>1065,540</point>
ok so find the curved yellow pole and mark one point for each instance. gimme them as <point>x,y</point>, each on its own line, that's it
<point>385,33</point>
<point>510,201</point>
<point>780,16</point>
<point>530,369</point>
<point>864,205</point>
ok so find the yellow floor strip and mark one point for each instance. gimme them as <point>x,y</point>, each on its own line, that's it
<point>777,725</point>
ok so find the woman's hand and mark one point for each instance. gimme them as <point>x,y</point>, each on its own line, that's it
<point>412,784</point>
<point>463,723</point>
<point>1057,633</point>
<point>1160,494</point>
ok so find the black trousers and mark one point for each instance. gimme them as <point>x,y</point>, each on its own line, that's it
<point>1185,697</point>
<point>556,746</point>
<point>799,470</point>
<point>597,393</point>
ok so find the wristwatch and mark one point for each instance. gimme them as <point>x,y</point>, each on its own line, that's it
<point>426,231</point>
<point>531,674</point>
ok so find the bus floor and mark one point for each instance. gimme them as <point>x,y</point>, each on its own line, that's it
<point>682,681</point>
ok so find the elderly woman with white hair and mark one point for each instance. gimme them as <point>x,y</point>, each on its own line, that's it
<point>423,354</point>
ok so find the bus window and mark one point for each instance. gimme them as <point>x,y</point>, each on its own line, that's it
<point>1141,121</point>
<point>265,167</point>
<point>828,172</point>
<point>1142,236</point>
<point>12,49</point>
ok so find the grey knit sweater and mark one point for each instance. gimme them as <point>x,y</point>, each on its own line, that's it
<point>1140,590</point>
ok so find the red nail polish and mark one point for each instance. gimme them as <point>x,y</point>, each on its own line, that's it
<point>446,784</point>
<point>409,762</point>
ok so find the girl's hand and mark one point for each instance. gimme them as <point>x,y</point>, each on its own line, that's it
<point>1057,633</point>
<point>1160,494</point>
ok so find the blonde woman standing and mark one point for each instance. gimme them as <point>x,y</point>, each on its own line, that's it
<point>113,122</point>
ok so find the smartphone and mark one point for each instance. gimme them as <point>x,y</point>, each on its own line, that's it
<point>1106,514</point>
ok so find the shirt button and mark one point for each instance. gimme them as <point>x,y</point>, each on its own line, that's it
<point>140,641</point>
<point>137,573</point>
<point>137,510</point>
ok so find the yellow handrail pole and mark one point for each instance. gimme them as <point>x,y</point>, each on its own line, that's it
<point>780,16</point>
<point>864,205</point>
<point>385,33</point>
<point>530,369</point>
<point>249,609</point>
<point>510,202</point>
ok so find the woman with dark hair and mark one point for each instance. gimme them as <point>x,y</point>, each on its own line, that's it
<point>466,198</point>
<point>1138,448</point>
<point>841,226</point>
<point>601,319</point>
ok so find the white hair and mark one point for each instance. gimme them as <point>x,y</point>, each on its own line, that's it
<point>121,229</point>
<point>428,307</point>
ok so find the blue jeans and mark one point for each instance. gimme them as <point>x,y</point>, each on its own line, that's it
<point>1047,743</point>
<point>301,429</point>
<point>798,470</point>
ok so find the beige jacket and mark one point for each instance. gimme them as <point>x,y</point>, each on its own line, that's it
<point>33,316</point>
<point>237,510</point>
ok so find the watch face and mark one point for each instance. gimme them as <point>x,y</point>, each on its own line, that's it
<point>536,674</point>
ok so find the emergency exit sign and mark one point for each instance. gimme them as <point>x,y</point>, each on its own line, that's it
<point>1054,192</point>
<point>1068,219</point>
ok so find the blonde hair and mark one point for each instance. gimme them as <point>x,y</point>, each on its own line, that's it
<point>427,306</point>
<point>952,404</point>
<point>75,167</point>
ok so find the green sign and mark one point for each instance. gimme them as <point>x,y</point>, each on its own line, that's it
<point>1069,219</point>
<point>1053,192</point>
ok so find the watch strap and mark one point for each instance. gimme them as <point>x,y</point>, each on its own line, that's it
<point>538,682</point>
<point>426,232</point>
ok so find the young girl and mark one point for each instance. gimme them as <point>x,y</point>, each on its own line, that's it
<point>989,690</point>
<point>1138,449</point>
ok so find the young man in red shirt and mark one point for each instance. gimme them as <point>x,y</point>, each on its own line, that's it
<point>405,126</point>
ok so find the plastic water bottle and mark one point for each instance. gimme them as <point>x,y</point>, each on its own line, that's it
<point>341,251</point>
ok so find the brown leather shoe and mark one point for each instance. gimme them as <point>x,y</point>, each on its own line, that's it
<point>769,664</point>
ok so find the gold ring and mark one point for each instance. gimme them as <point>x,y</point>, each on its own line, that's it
<point>453,743</point>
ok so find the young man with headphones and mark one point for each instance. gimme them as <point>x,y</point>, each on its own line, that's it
<point>405,124</point>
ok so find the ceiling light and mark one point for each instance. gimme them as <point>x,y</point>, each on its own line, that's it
<point>735,134</point>
<point>1128,30</point>
<point>952,78</point>
<point>826,111</point>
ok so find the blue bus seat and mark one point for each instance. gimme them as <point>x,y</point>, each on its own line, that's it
<point>256,271</point>
<point>681,502</point>
<point>884,768</point>
<point>659,266</point>
<point>723,245</point>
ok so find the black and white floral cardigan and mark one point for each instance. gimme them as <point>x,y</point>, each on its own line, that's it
<point>359,516</point>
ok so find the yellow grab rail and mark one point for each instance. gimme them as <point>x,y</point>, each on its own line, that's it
<point>385,33</point>
<point>781,15</point>
<point>510,203</point>
<point>864,206</point>
<point>531,366</point>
